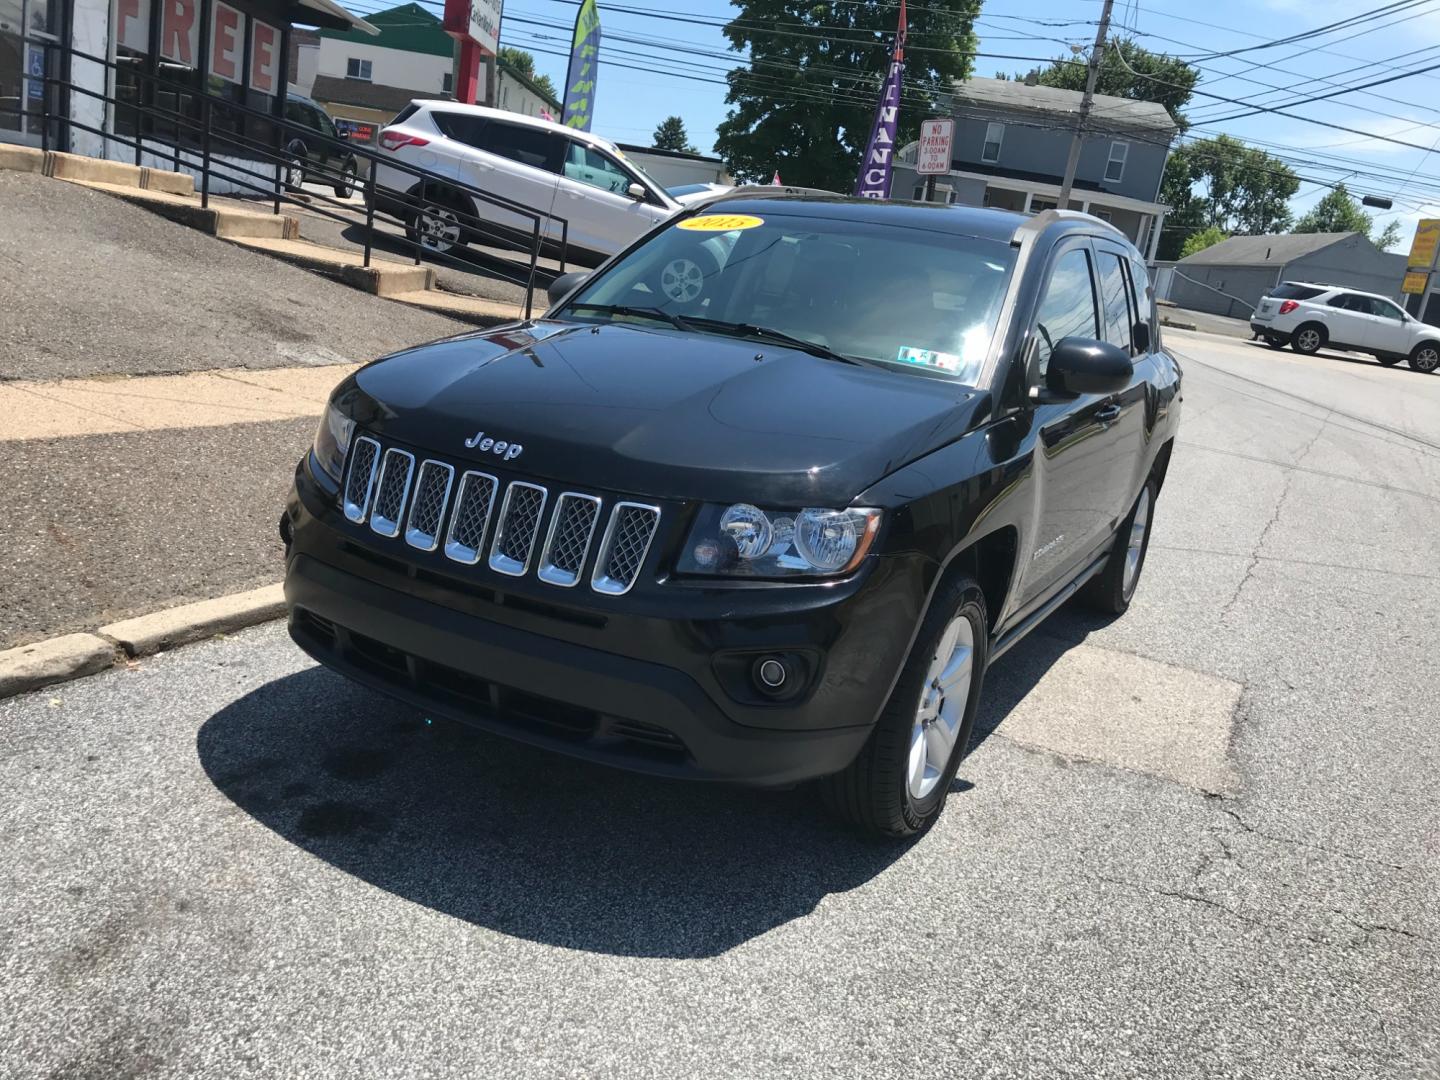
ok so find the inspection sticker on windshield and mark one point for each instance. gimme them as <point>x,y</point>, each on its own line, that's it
<point>721,222</point>
<point>910,355</point>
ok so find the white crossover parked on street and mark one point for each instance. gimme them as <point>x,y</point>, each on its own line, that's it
<point>1308,317</point>
<point>555,171</point>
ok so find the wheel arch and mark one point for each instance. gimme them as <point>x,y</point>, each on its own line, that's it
<point>991,560</point>
<point>1318,325</point>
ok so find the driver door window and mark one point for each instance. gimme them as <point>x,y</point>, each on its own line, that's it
<point>1067,307</point>
<point>588,166</point>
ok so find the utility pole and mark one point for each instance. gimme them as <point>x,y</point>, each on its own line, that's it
<point>1097,54</point>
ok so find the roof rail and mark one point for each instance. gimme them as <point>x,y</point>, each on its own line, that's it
<point>761,191</point>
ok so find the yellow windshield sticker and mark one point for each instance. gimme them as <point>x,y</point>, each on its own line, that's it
<point>721,222</point>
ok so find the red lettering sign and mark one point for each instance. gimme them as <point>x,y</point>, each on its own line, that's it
<point>264,39</point>
<point>225,56</point>
<point>132,18</point>
<point>178,31</point>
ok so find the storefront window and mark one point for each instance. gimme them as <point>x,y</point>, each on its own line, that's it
<point>23,65</point>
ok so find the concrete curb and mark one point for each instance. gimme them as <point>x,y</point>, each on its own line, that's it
<point>21,159</point>
<point>1178,324</point>
<point>74,656</point>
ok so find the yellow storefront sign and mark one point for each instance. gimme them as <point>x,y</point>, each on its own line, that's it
<point>1415,281</point>
<point>1423,247</point>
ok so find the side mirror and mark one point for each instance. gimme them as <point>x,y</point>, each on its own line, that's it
<point>636,192</point>
<point>1082,366</point>
<point>1142,336</point>
<point>562,285</point>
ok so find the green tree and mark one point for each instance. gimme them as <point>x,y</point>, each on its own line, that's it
<point>1338,211</point>
<point>1389,236</point>
<point>1199,241</point>
<point>1224,183</point>
<point>805,102</point>
<point>1123,73</point>
<point>670,135</point>
<point>524,63</point>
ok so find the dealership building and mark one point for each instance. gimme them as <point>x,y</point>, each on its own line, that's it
<point>158,53</point>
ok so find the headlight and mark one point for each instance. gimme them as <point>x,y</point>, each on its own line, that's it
<point>332,441</point>
<point>745,541</point>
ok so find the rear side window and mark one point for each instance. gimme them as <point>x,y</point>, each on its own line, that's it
<point>1068,307</point>
<point>1115,301</point>
<point>405,114</point>
<point>529,146</point>
<point>1294,292</point>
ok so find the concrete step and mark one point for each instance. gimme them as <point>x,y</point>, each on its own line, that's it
<point>224,222</point>
<point>472,309</point>
<point>381,277</point>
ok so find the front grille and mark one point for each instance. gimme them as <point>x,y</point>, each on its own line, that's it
<point>622,552</point>
<point>432,491</point>
<point>390,492</point>
<point>472,517</point>
<point>516,527</point>
<point>386,487</point>
<point>360,481</point>
<point>571,527</point>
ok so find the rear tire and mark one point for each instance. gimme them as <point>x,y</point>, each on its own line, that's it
<point>1114,587</point>
<point>346,187</point>
<point>1308,339</point>
<point>436,227</point>
<point>1425,358</point>
<point>898,783</point>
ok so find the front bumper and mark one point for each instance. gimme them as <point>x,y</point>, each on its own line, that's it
<point>645,681</point>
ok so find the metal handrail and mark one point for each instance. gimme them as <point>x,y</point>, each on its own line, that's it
<point>271,183</point>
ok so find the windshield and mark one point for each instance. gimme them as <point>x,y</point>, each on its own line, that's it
<point>915,301</point>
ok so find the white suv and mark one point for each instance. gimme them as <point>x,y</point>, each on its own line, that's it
<point>606,200</point>
<point>1309,316</point>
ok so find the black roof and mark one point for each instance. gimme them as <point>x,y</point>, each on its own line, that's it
<point>984,222</point>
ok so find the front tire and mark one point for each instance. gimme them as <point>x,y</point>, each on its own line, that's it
<point>1113,588</point>
<point>1425,358</point>
<point>898,783</point>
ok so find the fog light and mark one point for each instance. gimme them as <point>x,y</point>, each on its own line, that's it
<point>771,674</point>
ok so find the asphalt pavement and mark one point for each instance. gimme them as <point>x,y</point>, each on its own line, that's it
<point>1197,841</point>
<point>92,285</point>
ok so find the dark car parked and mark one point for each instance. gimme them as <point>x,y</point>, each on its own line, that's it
<point>317,154</point>
<point>758,500</point>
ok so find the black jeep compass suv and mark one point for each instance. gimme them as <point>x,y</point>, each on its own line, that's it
<point>758,500</point>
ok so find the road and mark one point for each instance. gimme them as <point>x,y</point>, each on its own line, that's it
<point>1198,841</point>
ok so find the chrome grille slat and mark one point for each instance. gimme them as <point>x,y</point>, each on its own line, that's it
<point>572,526</point>
<point>360,480</point>
<point>474,501</point>
<point>432,492</point>
<point>515,528</point>
<point>391,491</point>
<point>624,547</point>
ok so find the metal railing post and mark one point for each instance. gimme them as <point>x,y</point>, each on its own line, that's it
<point>369,213</point>
<point>208,117</point>
<point>530,279</point>
<point>419,220</point>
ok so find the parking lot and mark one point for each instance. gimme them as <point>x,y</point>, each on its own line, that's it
<point>1197,841</point>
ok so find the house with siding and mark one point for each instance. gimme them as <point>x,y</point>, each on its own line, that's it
<point>1012,141</point>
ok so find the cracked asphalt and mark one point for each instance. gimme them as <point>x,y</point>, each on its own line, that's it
<point>226,862</point>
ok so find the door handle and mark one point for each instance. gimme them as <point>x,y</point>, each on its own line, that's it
<point>1108,413</point>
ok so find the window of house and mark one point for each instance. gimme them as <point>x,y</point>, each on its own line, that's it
<point>994,136</point>
<point>357,69</point>
<point>1038,205</point>
<point>447,82</point>
<point>1103,215</point>
<point>1068,307</point>
<point>1115,167</point>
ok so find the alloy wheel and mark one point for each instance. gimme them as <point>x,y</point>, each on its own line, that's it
<point>1308,340</point>
<point>439,228</point>
<point>1427,358</point>
<point>941,711</point>
<point>1135,546</point>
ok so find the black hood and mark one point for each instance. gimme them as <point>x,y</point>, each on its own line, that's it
<point>662,413</point>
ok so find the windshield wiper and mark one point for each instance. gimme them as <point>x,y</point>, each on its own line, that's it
<point>766,333</point>
<point>642,312</point>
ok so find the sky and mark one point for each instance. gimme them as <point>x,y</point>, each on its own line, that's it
<point>641,83</point>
